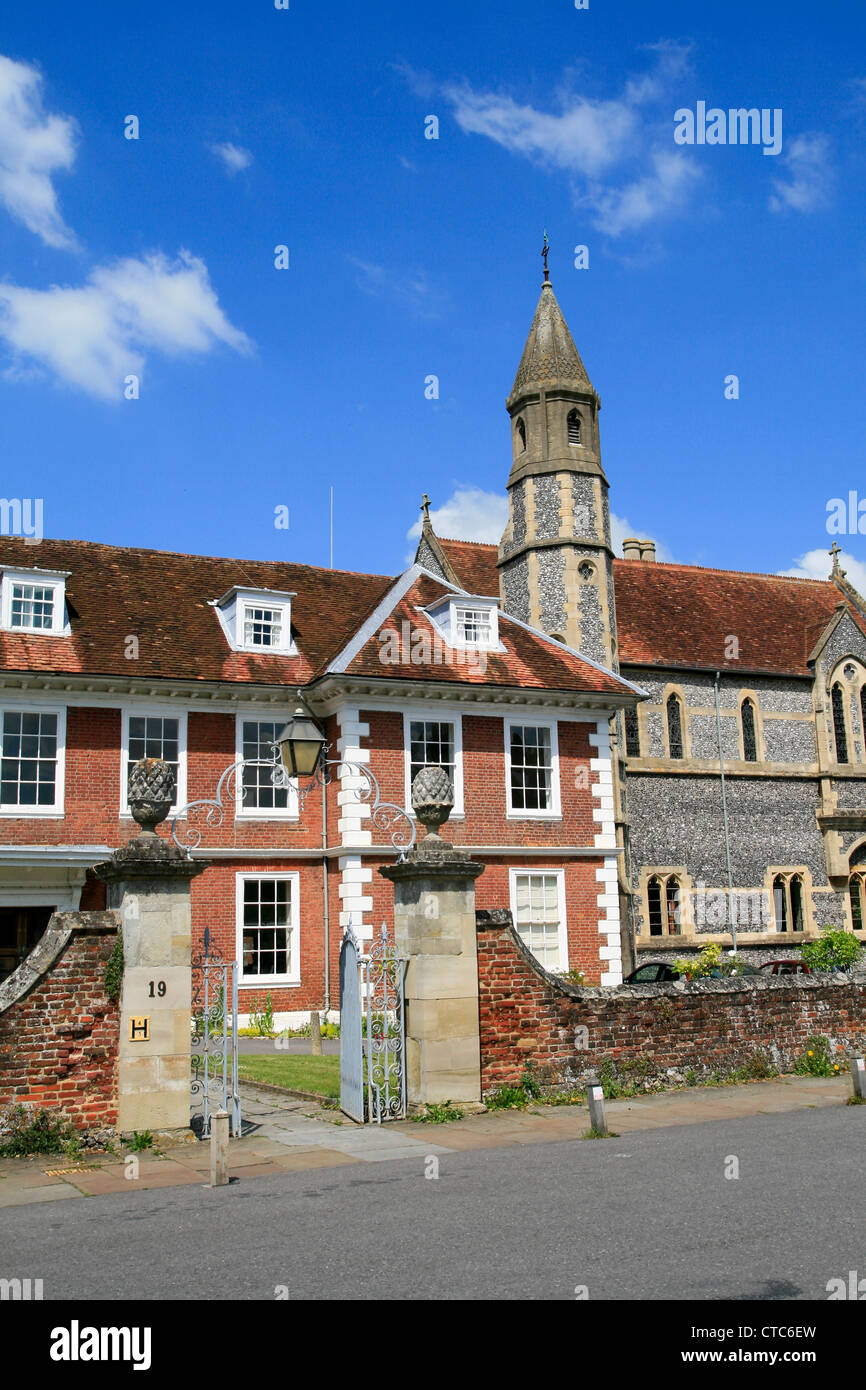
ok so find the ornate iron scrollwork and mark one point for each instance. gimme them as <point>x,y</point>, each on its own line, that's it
<point>385,815</point>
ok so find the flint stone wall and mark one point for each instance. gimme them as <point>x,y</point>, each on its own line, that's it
<point>531,1019</point>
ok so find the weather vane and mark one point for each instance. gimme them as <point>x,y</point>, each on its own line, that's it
<point>545,253</point>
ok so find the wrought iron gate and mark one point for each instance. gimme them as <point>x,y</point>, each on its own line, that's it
<point>372,1030</point>
<point>214,1040</point>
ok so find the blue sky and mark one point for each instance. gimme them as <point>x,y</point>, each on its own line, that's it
<point>412,257</point>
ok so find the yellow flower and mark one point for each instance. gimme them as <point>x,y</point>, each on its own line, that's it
<point>811,1054</point>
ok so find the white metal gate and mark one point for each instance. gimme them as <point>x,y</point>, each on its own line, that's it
<point>372,1030</point>
<point>214,1039</point>
<point>351,1054</point>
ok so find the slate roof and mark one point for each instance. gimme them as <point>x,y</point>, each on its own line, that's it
<point>164,599</point>
<point>681,615</point>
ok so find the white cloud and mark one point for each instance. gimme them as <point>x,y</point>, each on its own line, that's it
<point>804,180</point>
<point>816,564</point>
<point>470,514</point>
<point>621,529</point>
<point>410,288</point>
<point>33,145</point>
<point>234,157</point>
<point>94,335</point>
<point>619,152</point>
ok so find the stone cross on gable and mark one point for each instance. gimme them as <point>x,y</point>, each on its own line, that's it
<point>835,551</point>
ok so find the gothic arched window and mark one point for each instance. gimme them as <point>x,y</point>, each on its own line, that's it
<point>573,427</point>
<point>654,902</point>
<point>632,734</point>
<point>672,903</point>
<point>663,905</point>
<point>855,896</point>
<point>780,903</point>
<point>796,890</point>
<point>750,743</point>
<point>521,437</point>
<point>839,731</point>
<point>675,727</point>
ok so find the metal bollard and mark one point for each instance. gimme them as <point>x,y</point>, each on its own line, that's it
<point>858,1076</point>
<point>315,1035</point>
<point>219,1149</point>
<point>595,1097</point>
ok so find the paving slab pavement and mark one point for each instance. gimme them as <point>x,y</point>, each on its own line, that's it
<point>286,1134</point>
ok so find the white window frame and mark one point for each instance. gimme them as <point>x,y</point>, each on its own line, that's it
<point>153,712</point>
<point>261,981</point>
<point>290,812</point>
<point>46,579</point>
<point>519,813</point>
<point>560,888</point>
<point>434,716</point>
<point>58,810</point>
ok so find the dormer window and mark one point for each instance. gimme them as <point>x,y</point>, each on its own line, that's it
<point>466,621</point>
<point>35,601</point>
<point>257,620</point>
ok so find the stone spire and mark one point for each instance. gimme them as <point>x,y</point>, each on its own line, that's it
<point>550,357</point>
<point>555,557</point>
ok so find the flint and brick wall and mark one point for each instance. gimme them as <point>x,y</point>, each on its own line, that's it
<point>529,1019</point>
<point>59,1039</point>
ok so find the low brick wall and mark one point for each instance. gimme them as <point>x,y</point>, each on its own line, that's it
<point>59,1032</point>
<point>655,1033</point>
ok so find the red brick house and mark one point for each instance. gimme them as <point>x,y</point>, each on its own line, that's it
<point>109,654</point>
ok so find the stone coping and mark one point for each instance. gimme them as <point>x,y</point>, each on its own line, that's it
<point>50,947</point>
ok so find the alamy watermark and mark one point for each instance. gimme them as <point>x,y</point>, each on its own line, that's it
<point>22,516</point>
<point>736,126</point>
<point>420,648</point>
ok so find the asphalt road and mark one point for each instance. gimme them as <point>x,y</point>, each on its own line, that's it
<point>648,1216</point>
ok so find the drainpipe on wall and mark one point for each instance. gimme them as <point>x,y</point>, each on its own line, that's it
<point>731,912</point>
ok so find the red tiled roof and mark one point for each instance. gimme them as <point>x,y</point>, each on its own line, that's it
<point>679,615</point>
<point>163,599</point>
<point>682,615</point>
<point>528,661</point>
<point>474,564</point>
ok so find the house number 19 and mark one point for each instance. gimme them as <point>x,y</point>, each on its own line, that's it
<point>156,988</point>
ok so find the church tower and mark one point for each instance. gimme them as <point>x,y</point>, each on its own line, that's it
<point>555,556</point>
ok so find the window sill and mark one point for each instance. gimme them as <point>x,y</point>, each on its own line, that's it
<point>272,982</point>
<point>33,812</point>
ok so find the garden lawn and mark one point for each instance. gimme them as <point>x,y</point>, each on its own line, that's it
<point>318,1075</point>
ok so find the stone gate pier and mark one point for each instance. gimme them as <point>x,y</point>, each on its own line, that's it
<point>434,928</point>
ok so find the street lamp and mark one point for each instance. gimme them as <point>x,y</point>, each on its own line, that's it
<point>300,742</point>
<point>299,751</point>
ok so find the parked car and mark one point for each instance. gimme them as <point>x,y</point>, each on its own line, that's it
<point>653,973</point>
<point>785,967</point>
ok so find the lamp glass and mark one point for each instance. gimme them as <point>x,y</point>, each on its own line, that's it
<point>300,744</point>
